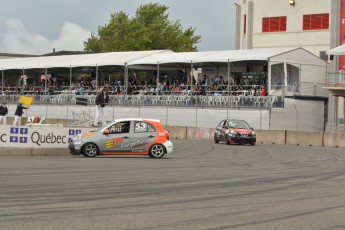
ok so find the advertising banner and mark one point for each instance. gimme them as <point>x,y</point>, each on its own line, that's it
<point>37,137</point>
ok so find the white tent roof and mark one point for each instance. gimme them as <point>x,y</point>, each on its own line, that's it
<point>210,56</point>
<point>340,50</point>
<point>66,61</point>
<point>136,59</point>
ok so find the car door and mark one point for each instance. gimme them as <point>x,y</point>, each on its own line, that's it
<point>220,131</point>
<point>117,138</point>
<point>143,136</point>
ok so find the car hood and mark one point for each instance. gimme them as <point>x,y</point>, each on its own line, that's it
<point>243,131</point>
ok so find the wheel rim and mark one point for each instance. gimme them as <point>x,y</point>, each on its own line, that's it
<point>91,150</point>
<point>157,151</point>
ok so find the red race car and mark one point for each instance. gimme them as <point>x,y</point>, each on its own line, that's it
<point>234,131</point>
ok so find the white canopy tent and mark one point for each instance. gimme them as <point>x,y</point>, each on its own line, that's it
<point>293,56</point>
<point>72,61</point>
<point>67,61</point>
<point>340,50</point>
<point>164,58</point>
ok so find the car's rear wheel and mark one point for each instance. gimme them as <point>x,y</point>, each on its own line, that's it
<point>216,139</point>
<point>157,151</point>
<point>90,150</point>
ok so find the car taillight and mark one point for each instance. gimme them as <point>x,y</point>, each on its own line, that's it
<point>168,136</point>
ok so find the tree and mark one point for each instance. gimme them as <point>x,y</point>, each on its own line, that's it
<point>150,29</point>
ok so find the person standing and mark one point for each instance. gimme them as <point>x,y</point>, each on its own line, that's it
<point>3,112</point>
<point>263,91</point>
<point>101,100</point>
<point>18,114</point>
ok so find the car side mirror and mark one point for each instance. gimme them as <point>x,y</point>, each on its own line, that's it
<point>251,128</point>
<point>107,131</point>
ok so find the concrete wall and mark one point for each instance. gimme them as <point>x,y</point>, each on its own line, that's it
<point>271,137</point>
<point>334,139</point>
<point>278,137</point>
<point>304,138</point>
<point>48,141</point>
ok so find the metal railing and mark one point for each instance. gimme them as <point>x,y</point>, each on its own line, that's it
<point>335,79</point>
<point>273,101</point>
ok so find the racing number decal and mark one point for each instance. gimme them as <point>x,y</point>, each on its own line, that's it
<point>112,143</point>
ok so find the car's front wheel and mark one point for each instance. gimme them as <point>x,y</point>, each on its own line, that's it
<point>157,151</point>
<point>228,140</point>
<point>90,150</point>
<point>216,139</point>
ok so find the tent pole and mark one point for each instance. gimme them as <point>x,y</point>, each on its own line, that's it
<point>22,77</point>
<point>157,73</point>
<point>96,78</point>
<point>45,81</point>
<point>70,77</point>
<point>269,83</point>
<point>228,77</point>
<point>285,75</point>
<point>2,80</point>
<point>191,76</point>
<point>125,80</point>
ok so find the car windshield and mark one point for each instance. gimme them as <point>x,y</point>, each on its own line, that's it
<point>239,125</point>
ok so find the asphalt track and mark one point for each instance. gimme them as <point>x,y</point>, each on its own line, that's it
<point>201,185</point>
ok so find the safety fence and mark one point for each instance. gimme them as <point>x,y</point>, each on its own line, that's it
<point>232,101</point>
<point>335,80</point>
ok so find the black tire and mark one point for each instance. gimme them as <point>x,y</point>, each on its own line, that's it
<point>157,151</point>
<point>90,150</point>
<point>227,140</point>
<point>215,139</point>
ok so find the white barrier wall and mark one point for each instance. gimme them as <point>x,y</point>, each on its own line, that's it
<point>53,139</point>
<point>37,136</point>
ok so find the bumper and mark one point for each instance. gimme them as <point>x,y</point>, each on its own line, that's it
<point>74,148</point>
<point>168,146</point>
<point>242,140</point>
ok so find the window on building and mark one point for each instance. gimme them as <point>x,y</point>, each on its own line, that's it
<point>244,24</point>
<point>316,22</point>
<point>274,24</point>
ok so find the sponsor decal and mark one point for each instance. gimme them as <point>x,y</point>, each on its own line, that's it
<point>23,131</point>
<point>23,140</point>
<point>14,130</point>
<point>18,135</point>
<point>13,139</point>
<point>49,138</point>
<point>3,137</point>
<point>134,144</point>
<point>112,143</point>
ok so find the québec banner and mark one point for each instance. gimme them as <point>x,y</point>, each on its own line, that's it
<point>37,137</point>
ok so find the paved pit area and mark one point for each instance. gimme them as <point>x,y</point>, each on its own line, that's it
<point>201,185</point>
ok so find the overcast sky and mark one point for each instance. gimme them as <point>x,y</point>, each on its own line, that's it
<point>38,26</point>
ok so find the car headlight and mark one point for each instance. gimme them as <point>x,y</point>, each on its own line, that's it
<point>233,131</point>
<point>253,133</point>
